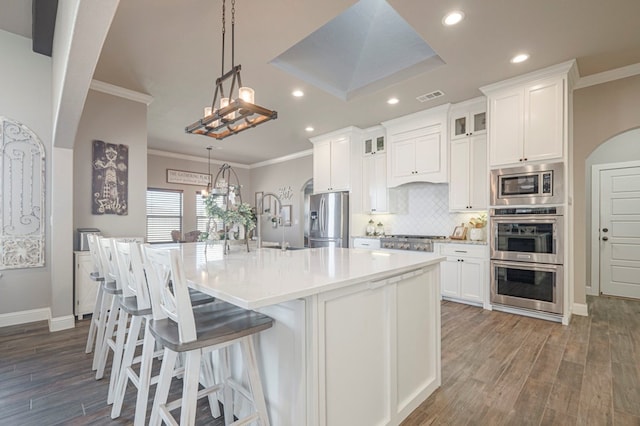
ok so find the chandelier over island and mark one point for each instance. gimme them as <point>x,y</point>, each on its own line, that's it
<point>235,111</point>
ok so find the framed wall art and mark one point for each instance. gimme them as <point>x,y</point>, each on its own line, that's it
<point>110,178</point>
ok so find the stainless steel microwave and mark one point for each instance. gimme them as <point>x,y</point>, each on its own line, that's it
<point>526,185</point>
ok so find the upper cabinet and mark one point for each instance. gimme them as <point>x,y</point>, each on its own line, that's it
<point>468,119</point>
<point>375,195</point>
<point>418,147</point>
<point>333,155</point>
<point>528,116</point>
<point>468,171</point>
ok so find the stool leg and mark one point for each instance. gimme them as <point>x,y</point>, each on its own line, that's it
<point>227,392</point>
<point>144,380</point>
<point>102,323</point>
<point>164,383</point>
<point>255,384</point>
<point>190,387</point>
<point>108,335</point>
<point>127,360</point>
<point>94,319</point>
<point>208,380</point>
<point>121,334</point>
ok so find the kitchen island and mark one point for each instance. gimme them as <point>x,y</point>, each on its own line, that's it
<point>356,338</point>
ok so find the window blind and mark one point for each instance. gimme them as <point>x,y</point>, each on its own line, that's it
<point>164,214</point>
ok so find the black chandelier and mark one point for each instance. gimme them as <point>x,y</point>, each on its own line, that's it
<point>232,115</point>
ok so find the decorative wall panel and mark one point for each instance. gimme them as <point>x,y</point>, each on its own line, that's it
<point>22,196</point>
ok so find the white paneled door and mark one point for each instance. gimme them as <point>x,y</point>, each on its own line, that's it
<point>620,232</point>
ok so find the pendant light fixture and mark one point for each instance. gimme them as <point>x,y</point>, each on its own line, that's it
<point>207,191</point>
<point>236,110</point>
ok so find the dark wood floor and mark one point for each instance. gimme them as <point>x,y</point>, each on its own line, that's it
<point>497,368</point>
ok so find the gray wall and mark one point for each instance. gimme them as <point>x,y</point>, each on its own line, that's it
<point>599,113</point>
<point>25,87</point>
<point>157,178</point>
<point>120,121</point>
<point>294,174</point>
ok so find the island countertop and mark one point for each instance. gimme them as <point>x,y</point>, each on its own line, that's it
<point>265,277</point>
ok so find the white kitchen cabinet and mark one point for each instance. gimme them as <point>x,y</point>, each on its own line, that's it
<point>375,194</point>
<point>468,188</point>
<point>84,288</point>
<point>465,274</point>
<point>333,158</point>
<point>528,116</point>
<point>468,118</point>
<point>378,369</point>
<point>418,147</point>
<point>374,141</point>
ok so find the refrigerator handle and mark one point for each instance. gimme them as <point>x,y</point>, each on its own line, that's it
<point>321,213</point>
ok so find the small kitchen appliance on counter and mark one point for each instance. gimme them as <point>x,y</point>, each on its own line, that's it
<point>81,243</point>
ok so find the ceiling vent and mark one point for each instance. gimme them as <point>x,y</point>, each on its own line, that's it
<point>430,96</point>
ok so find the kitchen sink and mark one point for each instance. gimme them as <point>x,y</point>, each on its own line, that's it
<point>288,248</point>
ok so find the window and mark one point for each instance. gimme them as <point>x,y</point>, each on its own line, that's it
<point>201,213</point>
<point>164,214</point>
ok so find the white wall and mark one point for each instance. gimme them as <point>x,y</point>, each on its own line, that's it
<point>293,173</point>
<point>25,85</point>
<point>620,148</point>
<point>119,121</point>
<point>157,178</point>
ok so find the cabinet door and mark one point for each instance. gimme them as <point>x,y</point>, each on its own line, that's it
<point>479,175</point>
<point>85,289</point>
<point>506,127</point>
<point>459,125</point>
<point>460,173</point>
<point>428,156</point>
<point>543,112</point>
<point>403,158</point>
<point>340,164</point>
<point>374,184</point>
<point>322,166</point>
<point>471,280</point>
<point>354,332</point>
<point>450,277</point>
<point>478,120</point>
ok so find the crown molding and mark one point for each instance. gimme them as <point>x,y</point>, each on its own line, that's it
<point>607,76</point>
<point>554,70</point>
<point>282,159</point>
<point>194,158</point>
<point>110,89</point>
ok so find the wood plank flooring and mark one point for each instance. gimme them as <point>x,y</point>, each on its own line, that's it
<point>501,369</point>
<point>497,369</point>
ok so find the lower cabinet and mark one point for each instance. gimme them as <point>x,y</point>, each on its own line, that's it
<point>378,347</point>
<point>84,288</point>
<point>465,273</point>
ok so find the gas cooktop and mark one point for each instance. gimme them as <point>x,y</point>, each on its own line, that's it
<point>409,242</point>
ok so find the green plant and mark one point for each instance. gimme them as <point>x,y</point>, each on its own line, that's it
<point>241,214</point>
<point>478,222</point>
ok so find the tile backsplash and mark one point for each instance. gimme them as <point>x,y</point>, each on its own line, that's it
<point>419,209</point>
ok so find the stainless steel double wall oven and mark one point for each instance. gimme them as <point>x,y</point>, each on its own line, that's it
<point>527,232</point>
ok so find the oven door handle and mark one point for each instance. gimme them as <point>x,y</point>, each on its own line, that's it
<point>547,267</point>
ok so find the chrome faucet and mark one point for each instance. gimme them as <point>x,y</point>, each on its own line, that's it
<point>283,245</point>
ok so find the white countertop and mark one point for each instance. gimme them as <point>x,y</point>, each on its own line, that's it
<point>266,276</point>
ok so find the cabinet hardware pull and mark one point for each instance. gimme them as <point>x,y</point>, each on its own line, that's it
<point>460,251</point>
<point>605,238</point>
<point>605,229</point>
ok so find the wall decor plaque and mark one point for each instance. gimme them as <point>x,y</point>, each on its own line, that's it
<point>188,178</point>
<point>110,178</point>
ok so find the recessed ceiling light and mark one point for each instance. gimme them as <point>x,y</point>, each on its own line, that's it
<point>519,58</point>
<point>309,129</point>
<point>452,18</point>
<point>298,93</point>
<point>392,101</point>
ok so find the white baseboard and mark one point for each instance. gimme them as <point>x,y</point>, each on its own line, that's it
<point>33,315</point>
<point>580,309</point>
<point>62,323</point>
<point>23,317</point>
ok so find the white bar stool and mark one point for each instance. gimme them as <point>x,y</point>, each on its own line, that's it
<point>98,276</point>
<point>194,333</point>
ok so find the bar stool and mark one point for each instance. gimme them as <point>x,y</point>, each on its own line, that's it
<point>98,276</point>
<point>182,329</point>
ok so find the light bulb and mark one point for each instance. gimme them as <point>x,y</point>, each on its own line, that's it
<point>224,102</point>
<point>207,113</point>
<point>247,94</point>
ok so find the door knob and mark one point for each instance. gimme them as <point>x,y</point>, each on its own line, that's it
<point>605,238</point>
<point>605,229</point>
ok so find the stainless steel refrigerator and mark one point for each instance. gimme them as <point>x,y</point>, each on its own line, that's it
<point>329,220</point>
